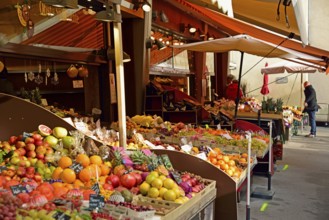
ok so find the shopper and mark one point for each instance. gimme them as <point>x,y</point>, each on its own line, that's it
<point>311,107</point>
<point>232,88</point>
<point>5,85</point>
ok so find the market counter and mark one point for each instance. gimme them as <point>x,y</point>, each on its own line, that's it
<point>226,197</point>
<point>18,116</point>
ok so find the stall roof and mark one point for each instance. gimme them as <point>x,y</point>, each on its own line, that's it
<point>234,26</point>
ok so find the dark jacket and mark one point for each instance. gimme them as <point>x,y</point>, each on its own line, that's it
<point>310,99</point>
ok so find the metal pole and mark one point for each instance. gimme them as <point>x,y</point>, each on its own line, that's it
<point>248,178</point>
<point>117,33</point>
<point>270,158</point>
<point>239,83</point>
<point>301,104</point>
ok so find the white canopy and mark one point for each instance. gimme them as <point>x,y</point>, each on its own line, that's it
<point>247,44</point>
<point>289,67</point>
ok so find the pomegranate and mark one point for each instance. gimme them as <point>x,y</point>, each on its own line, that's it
<point>128,180</point>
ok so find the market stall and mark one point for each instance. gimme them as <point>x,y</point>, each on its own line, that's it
<point>56,172</point>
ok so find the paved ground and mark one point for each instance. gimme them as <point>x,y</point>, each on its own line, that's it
<point>301,190</point>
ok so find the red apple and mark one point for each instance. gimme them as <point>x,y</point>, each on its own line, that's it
<point>37,137</point>
<point>49,151</point>
<point>21,171</point>
<point>12,139</point>
<point>29,140</point>
<point>38,142</point>
<point>45,144</point>
<point>20,137</point>
<point>21,151</point>
<point>41,150</point>
<point>30,147</point>
<point>22,163</point>
<point>20,144</point>
<point>31,154</point>
<point>38,178</point>
<point>30,170</point>
<point>40,156</point>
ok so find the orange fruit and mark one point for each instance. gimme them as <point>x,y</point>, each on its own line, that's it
<point>60,192</point>
<point>57,173</point>
<point>83,159</point>
<point>68,175</point>
<point>95,159</point>
<point>78,184</point>
<point>68,186</point>
<point>57,185</point>
<point>86,174</point>
<point>65,162</point>
<point>105,170</point>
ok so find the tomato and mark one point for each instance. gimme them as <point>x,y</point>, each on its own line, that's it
<point>128,180</point>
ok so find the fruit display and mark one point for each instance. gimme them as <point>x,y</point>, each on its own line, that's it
<point>53,173</point>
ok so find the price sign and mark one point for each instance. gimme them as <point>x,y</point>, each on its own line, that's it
<point>2,168</point>
<point>176,177</point>
<point>76,167</point>
<point>96,188</point>
<point>202,156</point>
<point>96,201</point>
<point>61,216</point>
<point>18,189</point>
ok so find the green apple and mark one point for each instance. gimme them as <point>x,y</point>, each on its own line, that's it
<point>68,142</point>
<point>60,132</point>
<point>51,140</point>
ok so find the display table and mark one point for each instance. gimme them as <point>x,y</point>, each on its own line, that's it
<point>226,199</point>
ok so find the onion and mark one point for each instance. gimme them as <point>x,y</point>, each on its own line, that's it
<point>186,187</point>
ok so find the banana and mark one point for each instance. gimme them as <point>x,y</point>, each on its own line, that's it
<point>20,16</point>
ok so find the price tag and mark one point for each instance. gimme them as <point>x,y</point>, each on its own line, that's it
<point>2,168</point>
<point>18,189</point>
<point>81,126</point>
<point>227,136</point>
<point>96,201</point>
<point>186,148</point>
<point>176,177</point>
<point>96,188</point>
<point>61,216</point>
<point>166,162</point>
<point>76,167</point>
<point>202,156</point>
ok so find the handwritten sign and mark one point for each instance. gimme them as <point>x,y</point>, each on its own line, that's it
<point>61,216</point>
<point>96,201</point>
<point>18,189</point>
<point>76,167</point>
<point>96,188</point>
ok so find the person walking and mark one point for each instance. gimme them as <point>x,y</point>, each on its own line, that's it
<point>311,107</point>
